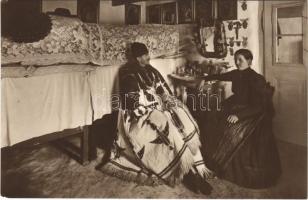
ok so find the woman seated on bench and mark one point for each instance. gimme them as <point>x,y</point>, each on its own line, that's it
<point>246,153</point>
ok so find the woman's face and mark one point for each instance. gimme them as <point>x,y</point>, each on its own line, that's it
<point>144,60</point>
<point>241,62</point>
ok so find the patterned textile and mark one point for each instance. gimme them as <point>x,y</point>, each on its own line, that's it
<point>157,136</point>
<point>72,41</point>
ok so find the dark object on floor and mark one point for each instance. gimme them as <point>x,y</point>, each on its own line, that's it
<point>26,27</point>
<point>196,183</point>
<point>104,130</point>
<point>105,160</point>
<point>103,133</point>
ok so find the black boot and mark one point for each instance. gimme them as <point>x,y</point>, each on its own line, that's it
<point>203,186</point>
<point>196,183</point>
<point>190,182</point>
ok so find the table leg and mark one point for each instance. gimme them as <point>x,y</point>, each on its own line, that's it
<point>175,89</point>
<point>184,94</point>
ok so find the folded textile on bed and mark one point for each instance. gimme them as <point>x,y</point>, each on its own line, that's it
<point>72,41</point>
<point>19,71</point>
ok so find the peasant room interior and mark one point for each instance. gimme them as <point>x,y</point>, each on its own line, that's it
<point>60,61</point>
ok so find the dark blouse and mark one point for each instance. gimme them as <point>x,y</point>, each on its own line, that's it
<point>249,90</point>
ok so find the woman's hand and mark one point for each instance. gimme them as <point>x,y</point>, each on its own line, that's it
<point>232,119</point>
<point>205,172</point>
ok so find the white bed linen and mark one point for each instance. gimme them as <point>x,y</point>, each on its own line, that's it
<point>39,105</point>
<point>103,84</point>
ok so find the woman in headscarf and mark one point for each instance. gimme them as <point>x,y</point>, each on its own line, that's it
<point>246,153</point>
<point>158,140</point>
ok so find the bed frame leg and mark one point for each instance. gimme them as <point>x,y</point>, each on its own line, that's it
<point>85,146</point>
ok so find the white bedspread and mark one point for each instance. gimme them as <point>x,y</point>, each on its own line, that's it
<point>52,99</point>
<point>104,85</point>
<point>39,105</point>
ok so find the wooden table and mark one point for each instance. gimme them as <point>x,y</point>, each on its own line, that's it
<point>181,83</point>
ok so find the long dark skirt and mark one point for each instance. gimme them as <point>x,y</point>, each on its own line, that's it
<point>245,153</point>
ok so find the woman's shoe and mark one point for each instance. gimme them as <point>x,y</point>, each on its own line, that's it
<point>195,183</point>
<point>203,186</point>
<point>190,181</point>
